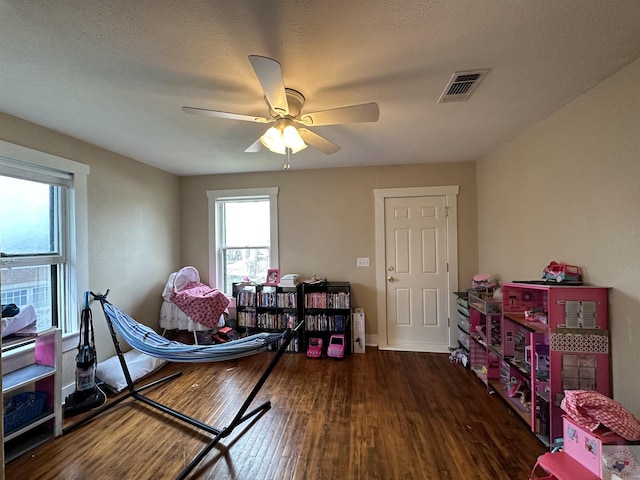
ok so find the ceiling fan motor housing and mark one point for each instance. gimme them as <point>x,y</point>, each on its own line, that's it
<point>295,101</point>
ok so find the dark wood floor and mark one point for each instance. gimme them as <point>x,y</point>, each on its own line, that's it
<point>379,415</point>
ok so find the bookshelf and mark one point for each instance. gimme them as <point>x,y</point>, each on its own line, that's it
<point>327,310</point>
<point>266,308</point>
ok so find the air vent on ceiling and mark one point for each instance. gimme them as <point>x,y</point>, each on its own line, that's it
<point>461,86</point>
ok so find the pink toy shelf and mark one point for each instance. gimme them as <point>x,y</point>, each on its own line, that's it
<point>555,338</point>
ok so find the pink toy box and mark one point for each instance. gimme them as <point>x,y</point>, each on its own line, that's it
<point>586,455</point>
<point>602,452</point>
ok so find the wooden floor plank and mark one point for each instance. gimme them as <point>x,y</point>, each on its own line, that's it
<point>382,415</point>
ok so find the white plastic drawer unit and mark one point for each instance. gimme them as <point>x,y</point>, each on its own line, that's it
<point>462,301</point>
<point>463,338</point>
<point>463,311</point>
<point>463,322</point>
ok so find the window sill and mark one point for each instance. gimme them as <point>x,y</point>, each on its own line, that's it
<point>70,342</point>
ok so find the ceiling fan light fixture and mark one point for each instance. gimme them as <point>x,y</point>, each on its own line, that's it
<point>272,139</point>
<point>292,139</point>
<point>284,135</point>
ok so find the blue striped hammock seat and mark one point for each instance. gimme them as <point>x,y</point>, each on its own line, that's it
<point>146,340</point>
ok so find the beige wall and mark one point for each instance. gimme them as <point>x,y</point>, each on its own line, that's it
<point>326,219</point>
<point>134,234</point>
<point>568,190</point>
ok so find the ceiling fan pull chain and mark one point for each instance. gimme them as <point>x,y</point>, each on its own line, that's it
<point>287,164</point>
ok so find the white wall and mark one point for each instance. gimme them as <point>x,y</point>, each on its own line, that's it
<point>569,190</point>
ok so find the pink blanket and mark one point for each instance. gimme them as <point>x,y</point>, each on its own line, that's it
<point>201,302</point>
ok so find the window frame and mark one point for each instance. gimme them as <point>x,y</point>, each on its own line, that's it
<point>30,163</point>
<point>214,201</point>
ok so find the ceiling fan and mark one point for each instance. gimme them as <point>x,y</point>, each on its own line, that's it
<point>290,133</point>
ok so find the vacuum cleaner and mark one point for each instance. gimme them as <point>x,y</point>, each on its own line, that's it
<point>87,394</point>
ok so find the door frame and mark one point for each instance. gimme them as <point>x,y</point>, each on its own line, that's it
<point>380,195</point>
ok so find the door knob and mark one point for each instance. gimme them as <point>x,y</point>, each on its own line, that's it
<point>390,278</point>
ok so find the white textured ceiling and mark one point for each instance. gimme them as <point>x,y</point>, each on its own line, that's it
<point>115,73</point>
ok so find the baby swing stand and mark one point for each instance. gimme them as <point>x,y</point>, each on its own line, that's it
<point>241,416</point>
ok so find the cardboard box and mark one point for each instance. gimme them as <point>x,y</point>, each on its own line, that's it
<point>357,332</point>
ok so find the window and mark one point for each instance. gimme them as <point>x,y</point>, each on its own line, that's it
<point>243,235</point>
<point>33,259</point>
<point>43,236</point>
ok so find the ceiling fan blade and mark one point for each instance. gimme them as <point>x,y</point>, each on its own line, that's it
<point>225,115</point>
<point>316,141</point>
<point>366,112</point>
<point>255,147</point>
<point>269,73</point>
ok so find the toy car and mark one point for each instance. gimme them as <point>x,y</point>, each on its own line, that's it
<point>314,350</point>
<point>336,346</point>
<point>561,272</point>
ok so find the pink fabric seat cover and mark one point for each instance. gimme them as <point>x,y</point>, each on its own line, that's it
<point>590,409</point>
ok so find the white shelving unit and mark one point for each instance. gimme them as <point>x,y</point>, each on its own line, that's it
<point>463,333</point>
<point>41,374</point>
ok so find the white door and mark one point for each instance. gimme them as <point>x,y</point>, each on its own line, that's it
<point>417,280</point>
